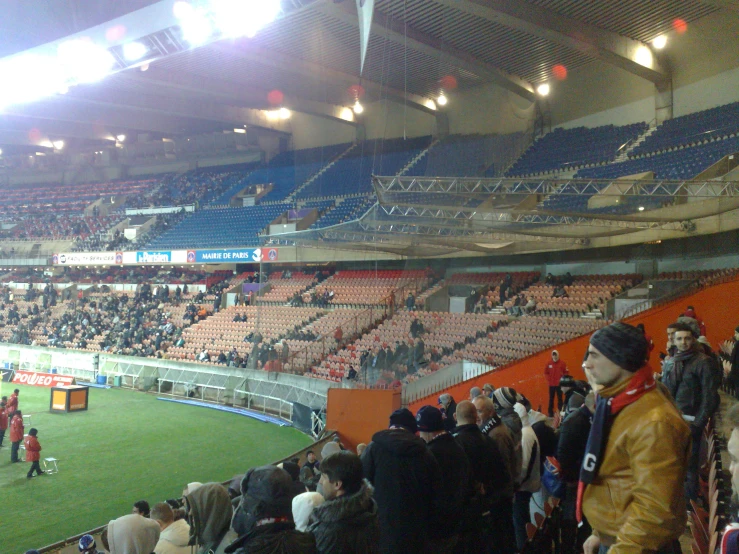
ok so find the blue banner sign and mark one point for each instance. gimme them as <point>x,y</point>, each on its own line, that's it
<point>233,255</point>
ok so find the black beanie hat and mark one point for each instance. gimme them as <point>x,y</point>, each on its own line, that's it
<point>404,418</point>
<point>429,419</point>
<point>623,344</point>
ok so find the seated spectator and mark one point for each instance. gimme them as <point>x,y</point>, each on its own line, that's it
<point>264,519</point>
<point>347,522</point>
<point>87,545</point>
<point>303,506</point>
<point>293,470</point>
<point>209,512</point>
<point>141,507</point>
<point>175,535</point>
<point>131,534</point>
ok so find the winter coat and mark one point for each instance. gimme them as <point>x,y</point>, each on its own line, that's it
<point>456,483</point>
<point>638,495</point>
<point>174,539</point>
<point>210,516</point>
<point>12,404</point>
<point>554,372</point>
<point>33,449</point>
<point>3,419</point>
<point>400,468</point>
<point>132,534</point>
<point>694,386</point>
<point>274,538</point>
<point>488,465</point>
<point>530,476</point>
<point>573,438</point>
<point>513,422</point>
<point>347,524</point>
<point>16,429</point>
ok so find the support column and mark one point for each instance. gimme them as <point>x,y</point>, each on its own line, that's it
<point>663,101</point>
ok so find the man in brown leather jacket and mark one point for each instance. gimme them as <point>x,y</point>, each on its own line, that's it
<point>631,481</point>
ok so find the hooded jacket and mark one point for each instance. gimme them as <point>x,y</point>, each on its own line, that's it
<point>407,483</point>
<point>210,517</point>
<point>33,449</point>
<point>174,539</point>
<point>456,481</point>
<point>274,538</point>
<point>637,500</point>
<point>488,465</point>
<point>132,534</point>
<point>347,524</point>
<point>693,385</point>
<point>16,429</point>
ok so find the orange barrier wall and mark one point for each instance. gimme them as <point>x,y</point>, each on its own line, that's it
<point>714,305</point>
<point>358,414</point>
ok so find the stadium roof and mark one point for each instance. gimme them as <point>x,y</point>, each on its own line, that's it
<point>311,53</point>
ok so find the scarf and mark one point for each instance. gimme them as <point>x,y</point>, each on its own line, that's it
<point>491,424</point>
<point>606,410</point>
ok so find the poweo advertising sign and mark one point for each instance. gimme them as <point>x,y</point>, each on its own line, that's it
<point>37,379</point>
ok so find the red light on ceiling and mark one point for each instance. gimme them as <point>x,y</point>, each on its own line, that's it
<point>115,33</point>
<point>560,72</point>
<point>356,91</point>
<point>448,82</point>
<point>34,135</point>
<point>680,26</point>
<point>275,97</point>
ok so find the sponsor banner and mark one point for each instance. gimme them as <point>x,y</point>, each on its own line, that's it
<point>38,379</point>
<point>270,254</point>
<point>179,256</point>
<point>88,258</point>
<point>161,210</point>
<point>157,257</point>
<point>7,375</point>
<point>232,255</point>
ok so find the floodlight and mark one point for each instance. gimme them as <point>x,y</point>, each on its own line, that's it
<point>641,208</point>
<point>83,61</point>
<point>58,144</point>
<point>543,89</point>
<point>239,130</point>
<point>196,27</point>
<point>441,100</point>
<point>358,108</point>
<point>660,42</point>
<point>1,151</point>
<point>237,18</point>
<point>643,56</point>
<point>134,51</point>
<point>121,138</point>
<point>284,113</point>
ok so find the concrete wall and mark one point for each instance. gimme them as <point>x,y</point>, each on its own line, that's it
<point>488,109</point>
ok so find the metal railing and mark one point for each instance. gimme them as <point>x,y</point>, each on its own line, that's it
<point>264,404</point>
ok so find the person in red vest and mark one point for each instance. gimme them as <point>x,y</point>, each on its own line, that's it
<point>3,418</point>
<point>16,435</point>
<point>12,404</point>
<point>554,371</point>
<point>33,453</point>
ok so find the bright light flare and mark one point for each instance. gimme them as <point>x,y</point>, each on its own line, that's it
<point>543,89</point>
<point>29,77</point>
<point>358,108</point>
<point>643,56</point>
<point>83,61</point>
<point>195,24</point>
<point>237,18</point>
<point>134,51</point>
<point>121,138</point>
<point>660,42</point>
<point>58,144</point>
<point>284,113</point>
<point>442,100</point>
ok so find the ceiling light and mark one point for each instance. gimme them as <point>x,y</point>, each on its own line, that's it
<point>1,151</point>
<point>239,130</point>
<point>347,114</point>
<point>134,51</point>
<point>145,67</point>
<point>358,108</point>
<point>543,89</point>
<point>64,89</point>
<point>643,56</point>
<point>660,42</point>
<point>284,113</point>
<point>121,138</point>
<point>196,26</point>
<point>441,100</point>
<point>641,208</point>
<point>58,144</point>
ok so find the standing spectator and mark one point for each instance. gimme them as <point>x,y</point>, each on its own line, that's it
<point>347,522</point>
<point>410,302</point>
<point>448,409</point>
<point>264,517</point>
<point>131,534</point>
<point>33,453</point>
<point>573,438</point>
<point>16,435</point>
<point>731,366</point>
<point>554,371</point>
<point>529,479</point>
<point>3,418</point>
<point>693,384</point>
<point>400,467</point>
<point>455,476</point>
<point>730,540</point>
<point>488,517</point>
<point>12,404</point>
<point>209,511</point>
<point>175,535</point>
<point>631,481</point>
<point>491,425</point>
<point>474,393</point>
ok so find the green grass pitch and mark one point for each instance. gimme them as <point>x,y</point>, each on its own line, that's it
<point>128,446</point>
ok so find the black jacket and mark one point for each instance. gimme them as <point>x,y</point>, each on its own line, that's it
<point>693,385</point>
<point>407,483</point>
<point>734,359</point>
<point>455,476</point>
<point>347,525</point>
<point>488,466</point>
<point>573,438</point>
<point>274,538</point>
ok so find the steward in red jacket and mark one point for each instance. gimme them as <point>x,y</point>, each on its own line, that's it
<point>16,435</point>
<point>12,403</point>
<point>3,420</point>
<point>33,453</point>
<point>554,371</point>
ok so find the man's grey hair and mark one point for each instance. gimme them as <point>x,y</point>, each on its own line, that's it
<point>475,392</point>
